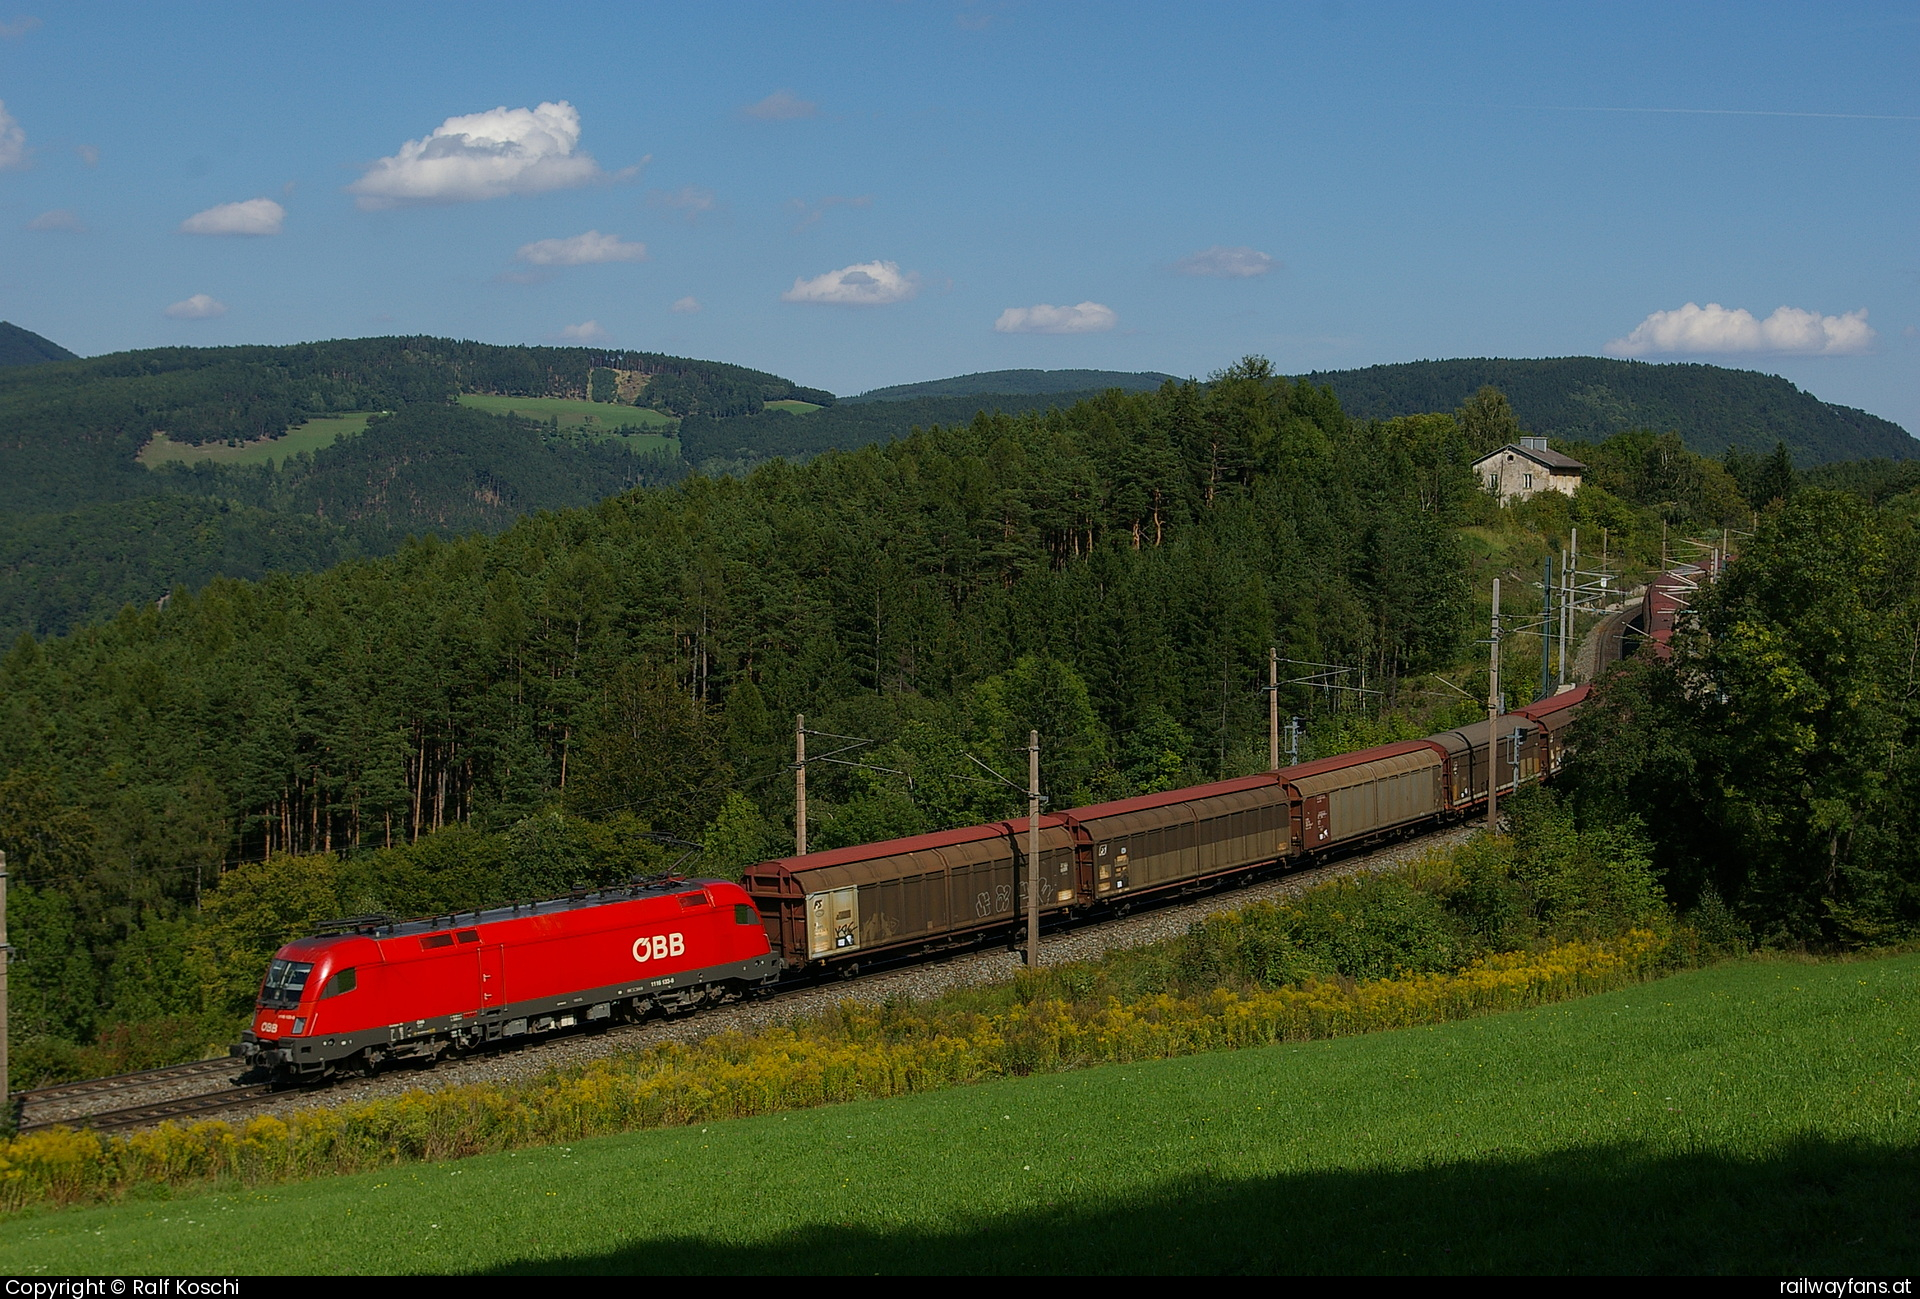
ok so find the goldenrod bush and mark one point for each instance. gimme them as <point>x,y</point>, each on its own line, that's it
<point>857,1052</point>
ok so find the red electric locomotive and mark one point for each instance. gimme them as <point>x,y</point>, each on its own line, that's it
<point>375,990</point>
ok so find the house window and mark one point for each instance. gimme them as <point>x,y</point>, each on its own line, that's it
<point>1493,482</point>
<point>1526,482</point>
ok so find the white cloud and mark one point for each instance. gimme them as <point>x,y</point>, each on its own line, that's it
<point>1042,318</point>
<point>581,250</point>
<point>587,331</point>
<point>483,155</point>
<point>19,27</point>
<point>1697,330</point>
<point>864,284</point>
<point>781,106</point>
<point>692,200</point>
<point>1226,263</point>
<point>198,307</point>
<point>686,306</point>
<point>256,216</point>
<point>13,140</point>
<point>59,219</point>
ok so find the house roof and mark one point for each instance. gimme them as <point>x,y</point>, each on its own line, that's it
<point>1548,459</point>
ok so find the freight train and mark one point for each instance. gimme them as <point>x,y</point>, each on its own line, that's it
<point>371,990</point>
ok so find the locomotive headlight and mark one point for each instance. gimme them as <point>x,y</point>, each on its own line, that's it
<point>299,1026</point>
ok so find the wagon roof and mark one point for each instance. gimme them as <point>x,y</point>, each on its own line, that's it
<point>1168,797</point>
<point>1556,703</point>
<point>1340,762</point>
<point>898,847</point>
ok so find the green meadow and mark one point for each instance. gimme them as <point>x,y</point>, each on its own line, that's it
<point>310,436</point>
<point>793,407</point>
<point>571,412</point>
<point>1755,1117</point>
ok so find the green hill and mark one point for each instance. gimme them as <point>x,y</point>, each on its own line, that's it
<point>1578,399</point>
<point>741,440</point>
<point>1590,398</point>
<point>1019,383</point>
<point>24,347</point>
<point>444,470</point>
<point>70,434</point>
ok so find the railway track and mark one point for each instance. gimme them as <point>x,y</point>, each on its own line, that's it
<point>125,1083</point>
<point>45,1107</point>
<point>178,1107</point>
<point>238,1099</point>
<point>61,1098</point>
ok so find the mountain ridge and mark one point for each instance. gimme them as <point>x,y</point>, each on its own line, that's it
<point>1017,383</point>
<point>1590,398</point>
<point>20,346</point>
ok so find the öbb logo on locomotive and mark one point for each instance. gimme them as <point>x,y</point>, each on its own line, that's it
<point>659,947</point>
<point>371,990</point>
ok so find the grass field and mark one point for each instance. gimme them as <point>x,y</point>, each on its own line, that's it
<point>310,436</point>
<point>572,413</point>
<point>1757,1117</point>
<point>793,407</point>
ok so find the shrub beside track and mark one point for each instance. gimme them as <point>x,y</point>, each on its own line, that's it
<point>862,1052</point>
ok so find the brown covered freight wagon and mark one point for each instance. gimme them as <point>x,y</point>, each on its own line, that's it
<point>1156,841</point>
<point>917,894</point>
<point>1554,715</point>
<point>1471,761</point>
<point>1356,796</point>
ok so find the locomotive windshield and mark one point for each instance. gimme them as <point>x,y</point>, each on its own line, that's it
<point>285,982</point>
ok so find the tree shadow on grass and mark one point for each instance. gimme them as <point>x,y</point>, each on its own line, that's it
<point>1815,1206</point>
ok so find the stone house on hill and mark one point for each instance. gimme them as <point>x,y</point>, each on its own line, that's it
<point>1524,468</point>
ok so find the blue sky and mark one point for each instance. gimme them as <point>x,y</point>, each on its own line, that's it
<point>862,194</point>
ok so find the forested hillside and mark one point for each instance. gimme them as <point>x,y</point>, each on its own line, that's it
<point>64,570</point>
<point>1774,757</point>
<point>69,432</point>
<point>503,716</point>
<point>500,716</point>
<point>1019,383</point>
<point>1575,399</point>
<point>1587,399</point>
<point>24,347</point>
<point>742,441</point>
<point>434,469</point>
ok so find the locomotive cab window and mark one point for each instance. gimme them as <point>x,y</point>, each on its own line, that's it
<point>286,980</point>
<point>744,914</point>
<point>342,981</point>
<point>690,900</point>
<point>432,941</point>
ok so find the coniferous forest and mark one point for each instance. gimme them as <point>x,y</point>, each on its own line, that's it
<point>586,693</point>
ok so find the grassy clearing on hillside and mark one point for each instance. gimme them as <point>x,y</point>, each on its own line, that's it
<point>1755,1117</point>
<point>310,436</point>
<point>793,407</point>
<point>572,412</point>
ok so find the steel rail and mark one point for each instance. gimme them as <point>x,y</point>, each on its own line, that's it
<point>253,1095</point>
<point>139,1080</point>
<point>138,1116</point>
